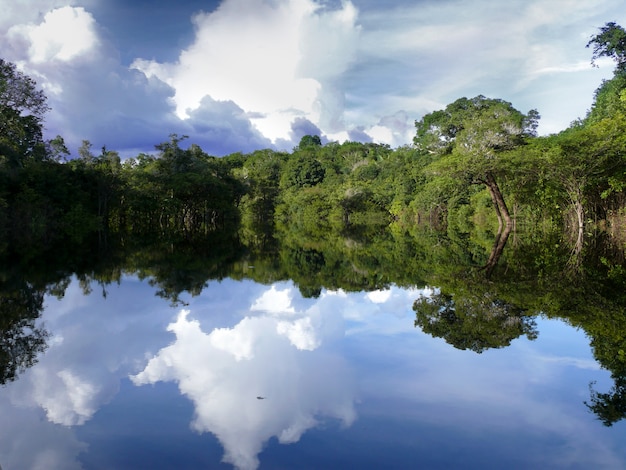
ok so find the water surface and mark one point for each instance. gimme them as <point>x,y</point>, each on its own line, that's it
<point>254,375</point>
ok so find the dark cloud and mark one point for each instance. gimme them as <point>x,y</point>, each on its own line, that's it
<point>359,135</point>
<point>222,127</point>
<point>300,127</point>
<point>415,56</point>
<point>109,105</point>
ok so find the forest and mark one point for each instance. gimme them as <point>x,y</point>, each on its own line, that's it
<point>340,215</point>
<point>479,160</point>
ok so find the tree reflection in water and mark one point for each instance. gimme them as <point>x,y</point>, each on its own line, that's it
<point>482,298</point>
<point>20,339</point>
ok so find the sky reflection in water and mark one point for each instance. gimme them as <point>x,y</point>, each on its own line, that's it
<point>346,379</point>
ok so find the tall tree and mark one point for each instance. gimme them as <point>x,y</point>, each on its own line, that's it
<point>610,42</point>
<point>22,109</point>
<point>468,138</point>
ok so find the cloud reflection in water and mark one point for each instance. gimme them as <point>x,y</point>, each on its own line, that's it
<point>282,354</point>
<point>314,361</point>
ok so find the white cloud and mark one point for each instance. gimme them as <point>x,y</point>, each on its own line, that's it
<point>301,333</point>
<point>247,340</point>
<point>277,60</point>
<point>86,359</point>
<point>379,296</point>
<point>68,399</point>
<point>571,361</point>
<point>436,52</point>
<point>94,97</point>
<point>64,34</point>
<point>30,11</point>
<point>238,342</point>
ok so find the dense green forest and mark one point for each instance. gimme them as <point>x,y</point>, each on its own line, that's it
<point>477,160</point>
<point>346,215</point>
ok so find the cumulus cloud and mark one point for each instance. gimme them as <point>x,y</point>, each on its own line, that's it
<point>64,34</point>
<point>94,97</point>
<point>222,127</point>
<point>394,130</point>
<point>300,127</point>
<point>277,60</point>
<point>308,358</point>
<point>33,443</point>
<point>274,301</point>
<point>91,95</point>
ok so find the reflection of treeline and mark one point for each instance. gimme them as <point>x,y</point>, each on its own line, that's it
<point>538,274</point>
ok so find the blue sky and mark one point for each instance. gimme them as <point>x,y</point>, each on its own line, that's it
<point>240,75</point>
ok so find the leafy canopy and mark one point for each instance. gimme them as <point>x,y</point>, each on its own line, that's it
<point>22,108</point>
<point>610,42</point>
<point>476,125</point>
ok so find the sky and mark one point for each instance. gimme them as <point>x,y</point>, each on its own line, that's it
<point>242,75</point>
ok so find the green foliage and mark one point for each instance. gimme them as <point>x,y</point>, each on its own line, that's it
<point>610,42</point>
<point>310,141</point>
<point>473,320</point>
<point>609,99</point>
<point>609,407</point>
<point>319,217</point>
<point>20,339</point>
<point>469,141</point>
<point>22,109</point>
<point>302,170</point>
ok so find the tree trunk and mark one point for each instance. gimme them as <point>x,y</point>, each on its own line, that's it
<point>502,212</point>
<point>580,215</point>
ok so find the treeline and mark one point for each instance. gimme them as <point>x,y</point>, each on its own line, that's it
<point>479,160</point>
<point>175,191</point>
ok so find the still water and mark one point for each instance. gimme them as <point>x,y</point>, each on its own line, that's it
<point>254,375</point>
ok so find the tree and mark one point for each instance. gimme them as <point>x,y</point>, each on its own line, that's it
<point>310,141</point>
<point>609,407</point>
<point>468,139</point>
<point>56,149</point>
<point>610,42</point>
<point>85,153</point>
<point>302,170</point>
<point>22,109</point>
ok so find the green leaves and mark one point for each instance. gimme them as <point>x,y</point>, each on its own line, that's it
<point>609,42</point>
<point>22,108</point>
<point>469,141</point>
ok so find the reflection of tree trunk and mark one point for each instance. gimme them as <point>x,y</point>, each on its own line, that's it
<point>498,247</point>
<point>580,215</point>
<point>575,261</point>
<point>502,212</point>
<point>577,226</point>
